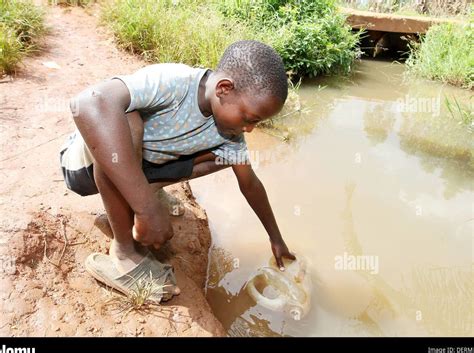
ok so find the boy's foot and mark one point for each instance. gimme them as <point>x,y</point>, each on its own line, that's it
<point>125,265</point>
<point>126,258</point>
<point>175,206</point>
<point>150,279</point>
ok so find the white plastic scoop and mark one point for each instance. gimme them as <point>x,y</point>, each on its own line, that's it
<point>291,288</point>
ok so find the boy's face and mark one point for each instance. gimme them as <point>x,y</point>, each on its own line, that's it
<point>235,113</point>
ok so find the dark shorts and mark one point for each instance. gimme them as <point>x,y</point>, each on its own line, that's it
<point>82,181</point>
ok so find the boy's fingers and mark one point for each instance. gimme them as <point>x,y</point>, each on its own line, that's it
<point>279,260</point>
<point>280,265</point>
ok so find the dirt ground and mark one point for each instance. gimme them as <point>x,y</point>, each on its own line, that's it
<point>46,231</point>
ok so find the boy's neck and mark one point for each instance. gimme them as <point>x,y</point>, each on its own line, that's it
<point>204,92</point>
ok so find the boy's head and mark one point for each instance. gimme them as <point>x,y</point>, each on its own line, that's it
<point>249,85</point>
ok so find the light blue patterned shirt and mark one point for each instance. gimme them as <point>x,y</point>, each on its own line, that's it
<point>166,96</point>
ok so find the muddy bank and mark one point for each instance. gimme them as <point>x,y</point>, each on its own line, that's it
<point>46,232</point>
<point>46,291</point>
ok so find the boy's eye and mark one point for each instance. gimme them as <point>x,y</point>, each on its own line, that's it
<point>250,121</point>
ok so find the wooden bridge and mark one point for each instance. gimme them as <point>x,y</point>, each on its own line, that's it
<point>391,23</point>
<point>389,34</point>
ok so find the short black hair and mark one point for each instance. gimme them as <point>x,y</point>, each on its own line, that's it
<point>257,66</point>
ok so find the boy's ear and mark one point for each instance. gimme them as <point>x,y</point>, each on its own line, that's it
<point>224,86</point>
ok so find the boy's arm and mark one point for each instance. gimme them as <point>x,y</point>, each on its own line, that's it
<point>99,114</point>
<point>254,191</point>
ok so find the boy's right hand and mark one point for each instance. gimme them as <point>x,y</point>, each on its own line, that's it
<point>153,227</point>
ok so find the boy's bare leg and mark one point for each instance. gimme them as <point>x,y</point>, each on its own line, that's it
<point>124,251</point>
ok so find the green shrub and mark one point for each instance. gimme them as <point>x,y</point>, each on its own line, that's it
<point>21,26</point>
<point>310,35</point>
<point>446,54</point>
<point>10,50</point>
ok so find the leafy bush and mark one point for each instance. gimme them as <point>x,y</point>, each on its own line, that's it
<point>446,53</point>
<point>310,35</point>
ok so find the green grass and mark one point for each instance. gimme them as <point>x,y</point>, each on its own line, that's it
<point>140,297</point>
<point>446,54</point>
<point>10,50</point>
<point>190,32</point>
<point>21,27</point>
<point>462,113</point>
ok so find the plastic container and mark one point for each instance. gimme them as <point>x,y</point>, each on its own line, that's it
<point>288,291</point>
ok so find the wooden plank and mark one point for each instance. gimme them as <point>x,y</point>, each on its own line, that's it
<point>391,23</point>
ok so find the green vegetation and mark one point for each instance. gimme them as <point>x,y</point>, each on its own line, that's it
<point>462,113</point>
<point>311,36</point>
<point>10,50</point>
<point>190,32</point>
<point>446,54</point>
<point>21,26</point>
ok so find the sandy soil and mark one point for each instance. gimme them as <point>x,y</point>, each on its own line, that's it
<point>47,231</point>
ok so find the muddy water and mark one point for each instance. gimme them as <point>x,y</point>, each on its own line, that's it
<point>371,174</point>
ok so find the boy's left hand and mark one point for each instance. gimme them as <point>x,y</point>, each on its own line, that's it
<point>280,250</point>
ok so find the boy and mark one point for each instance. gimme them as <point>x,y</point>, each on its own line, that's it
<point>176,121</point>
